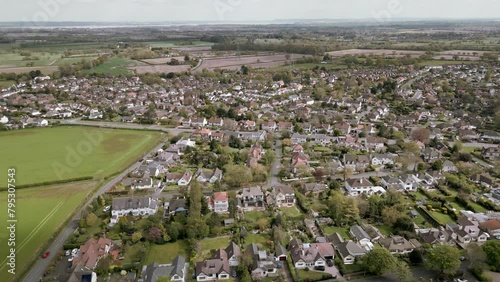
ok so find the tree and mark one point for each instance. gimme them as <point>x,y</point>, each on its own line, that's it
<point>437,165</point>
<point>378,261</point>
<point>237,175</point>
<point>390,215</point>
<point>416,256</point>
<point>91,219</point>
<point>420,134</point>
<point>155,234</point>
<point>492,250</point>
<point>475,254</point>
<point>136,237</point>
<point>443,258</point>
<point>402,271</point>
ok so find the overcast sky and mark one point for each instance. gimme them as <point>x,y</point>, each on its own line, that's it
<point>241,10</point>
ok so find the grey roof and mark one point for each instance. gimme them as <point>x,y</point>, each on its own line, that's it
<point>359,233</point>
<point>154,270</point>
<point>280,250</point>
<point>336,239</point>
<point>350,248</point>
<point>133,203</point>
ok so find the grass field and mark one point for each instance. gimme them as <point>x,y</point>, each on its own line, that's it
<point>50,154</point>
<point>40,212</point>
<point>114,66</point>
<point>180,43</point>
<point>166,253</point>
<point>209,244</point>
<point>6,83</point>
<point>291,212</point>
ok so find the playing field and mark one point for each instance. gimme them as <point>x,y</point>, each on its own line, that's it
<point>39,212</point>
<point>50,154</point>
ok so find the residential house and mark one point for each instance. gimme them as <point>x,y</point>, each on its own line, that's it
<point>256,152</point>
<point>492,227</point>
<point>383,159</point>
<point>269,126</point>
<point>361,237</point>
<point>491,153</point>
<point>358,186</point>
<point>263,265</point>
<point>215,122</point>
<point>82,276</point>
<point>299,161</point>
<point>221,202</point>
<point>350,251</point>
<point>175,271</point>
<point>284,196</point>
<point>435,236</point>
<point>210,176</point>
<point>91,252</point>
<point>310,254</point>
<point>212,269</point>
<point>314,188</point>
<point>185,179</point>
<point>199,122</point>
<point>409,182</point>
<point>469,225</point>
<point>449,166</point>
<point>251,197</point>
<point>281,253</point>
<point>137,206</point>
<point>399,245</point>
<point>176,205</point>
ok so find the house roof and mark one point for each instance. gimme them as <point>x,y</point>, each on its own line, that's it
<point>126,203</point>
<point>220,196</point>
<point>396,243</point>
<point>350,248</point>
<point>492,224</point>
<point>359,233</point>
<point>154,270</point>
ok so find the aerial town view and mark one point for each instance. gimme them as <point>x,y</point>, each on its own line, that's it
<point>239,141</point>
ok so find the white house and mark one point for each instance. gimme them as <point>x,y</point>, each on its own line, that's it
<point>185,179</point>
<point>358,186</point>
<point>221,202</point>
<point>137,206</point>
<point>284,196</point>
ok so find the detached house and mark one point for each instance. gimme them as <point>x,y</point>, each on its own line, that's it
<point>284,196</point>
<point>221,202</point>
<point>492,227</point>
<point>263,265</point>
<point>212,269</point>
<point>350,251</point>
<point>310,254</point>
<point>137,206</point>
<point>251,197</point>
<point>185,179</point>
<point>358,186</point>
<point>211,176</point>
<point>399,245</point>
<point>91,252</point>
<point>176,271</point>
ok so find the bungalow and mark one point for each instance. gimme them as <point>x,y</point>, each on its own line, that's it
<point>216,122</point>
<point>198,122</point>
<point>314,188</point>
<point>310,254</point>
<point>361,237</point>
<point>350,251</point>
<point>437,236</point>
<point>221,202</point>
<point>176,271</point>
<point>137,206</point>
<point>399,245</point>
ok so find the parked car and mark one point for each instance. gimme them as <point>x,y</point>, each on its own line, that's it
<point>329,262</point>
<point>45,255</point>
<point>320,267</point>
<point>68,252</point>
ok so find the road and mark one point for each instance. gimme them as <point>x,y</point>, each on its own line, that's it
<point>38,269</point>
<point>79,121</point>
<point>275,167</point>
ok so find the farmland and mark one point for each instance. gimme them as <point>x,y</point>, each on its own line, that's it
<point>160,68</point>
<point>44,155</point>
<point>39,211</point>
<point>235,62</point>
<point>376,52</point>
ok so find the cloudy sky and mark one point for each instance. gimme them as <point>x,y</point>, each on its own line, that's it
<point>241,10</point>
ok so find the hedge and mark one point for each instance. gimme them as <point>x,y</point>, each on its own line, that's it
<point>480,275</point>
<point>429,216</point>
<point>46,183</point>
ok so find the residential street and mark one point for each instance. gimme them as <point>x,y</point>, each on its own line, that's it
<point>38,269</point>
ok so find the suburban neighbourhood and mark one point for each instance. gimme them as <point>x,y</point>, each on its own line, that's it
<point>382,170</point>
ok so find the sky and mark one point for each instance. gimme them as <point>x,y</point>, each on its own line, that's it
<point>242,10</point>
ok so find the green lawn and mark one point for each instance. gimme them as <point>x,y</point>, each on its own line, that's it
<point>344,232</point>
<point>442,218</point>
<point>133,253</point>
<point>40,212</point>
<point>166,253</point>
<point>210,244</point>
<point>310,275</point>
<point>260,239</point>
<point>291,211</point>
<point>253,215</point>
<point>49,154</point>
<point>6,83</point>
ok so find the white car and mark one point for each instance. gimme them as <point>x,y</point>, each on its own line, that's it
<point>106,208</point>
<point>68,252</point>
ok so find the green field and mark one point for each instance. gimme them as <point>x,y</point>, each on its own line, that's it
<point>39,212</point>
<point>114,66</point>
<point>6,83</point>
<point>210,244</point>
<point>50,154</point>
<point>180,43</point>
